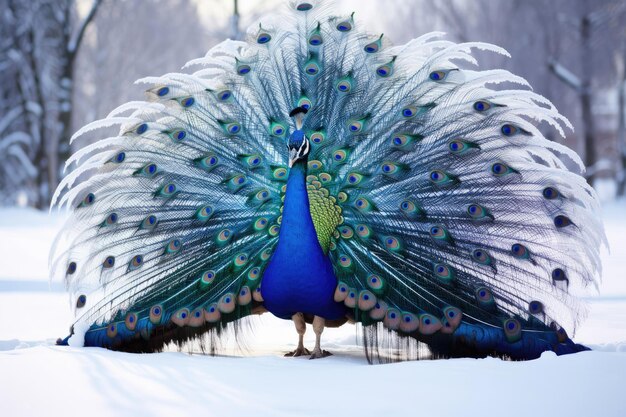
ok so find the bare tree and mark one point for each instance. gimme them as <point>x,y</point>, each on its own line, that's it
<point>38,56</point>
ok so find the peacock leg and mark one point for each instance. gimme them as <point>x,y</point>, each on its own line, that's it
<point>298,320</point>
<point>318,328</point>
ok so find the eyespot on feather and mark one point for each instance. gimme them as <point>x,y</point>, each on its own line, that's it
<point>392,319</point>
<point>196,317</point>
<point>156,313</point>
<point>429,324</point>
<point>131,321</point>
<point>212,314</point>
<point>226,304</point>
<point>409,322</point>
<point>180,317</point>
<point>341,292</point>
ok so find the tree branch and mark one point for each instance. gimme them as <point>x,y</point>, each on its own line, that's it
<point>75,41</point>
<point>565,75</point>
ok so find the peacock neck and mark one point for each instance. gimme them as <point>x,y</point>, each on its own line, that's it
<point>297,224</point>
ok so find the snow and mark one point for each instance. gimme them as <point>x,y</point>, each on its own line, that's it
<point>40,379</point>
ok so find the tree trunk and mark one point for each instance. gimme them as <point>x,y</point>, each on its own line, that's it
<point>586,97</point>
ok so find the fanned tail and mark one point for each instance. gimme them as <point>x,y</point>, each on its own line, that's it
<point>448,216</point>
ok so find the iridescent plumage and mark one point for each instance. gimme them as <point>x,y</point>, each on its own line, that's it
<point>429,204</point>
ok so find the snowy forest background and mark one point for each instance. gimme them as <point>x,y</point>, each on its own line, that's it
<point>64,63</point>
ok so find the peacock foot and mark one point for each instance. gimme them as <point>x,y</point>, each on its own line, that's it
<point>319,353</point>
<point>300,351</point>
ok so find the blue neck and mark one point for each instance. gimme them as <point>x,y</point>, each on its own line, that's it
<point>297,229</point>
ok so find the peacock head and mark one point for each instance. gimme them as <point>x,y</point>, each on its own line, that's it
<point>298,144</point>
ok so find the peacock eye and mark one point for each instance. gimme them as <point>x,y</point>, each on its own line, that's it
<point>109,262</point>
<point>237,181</point>
<point>167,191</point>
<point>303,7</point>
<point>443,272</point>
<point>356,125</point>
<point>277,129</point>
<point>208,162</point>
<point>311,67</point>
<point>315,165</point>
<point>187,101</point>
<point>439,75</point>
<point>111,219</point>
<point>262,195</point>
<point>363,204</point>
<point>263,38</point>
<point>520,251</point>
<point>224,236</point>
<point>232,128</point>
<point>409,208</point>
<point>280,173</point>
<point>346,232</point>
<point>373,47</point>
<point>440,178</point>
<point>178,135</point>
<point>484,295</point>
<point>460,147</point>
<point>304,102</point>
<point>509,130</point>
<point>207,278</point>
<point>71,268</point>
<point>399,140</point>
<point>88,200</point>
<point>392,243</point>
<point>535,307</point>
<point>204,213</point>
<point>354,178</point>
<point>148,170</point>
<point>81,301</point>
<point>562,221</point>
<point>253,161</point>
<point>344,26</point>
<point>550,193</point>
<point>482,105</point>
<point>317,137</point>
<point>261,223</point>
<point>141,129</point>
<point>409,112</point>
<point>119,158</point>
<point>315,39</point>
<point>512,330</point>
<point>344,86</point>
<point>149,222</point>
<point>500,169</point>
<point>163,91</point>
<point>224,95</point>
<point>385,70</point>
<point>363,231</point>
<point>136,262</point>
<point>173,246</point>
<point>240,260</point>
<point>243,69</point>
<point>390,168</point>
<point>340,155</point>
<point>481,256</point>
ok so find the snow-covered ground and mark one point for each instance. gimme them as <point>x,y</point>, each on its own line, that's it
<point>40,379</point>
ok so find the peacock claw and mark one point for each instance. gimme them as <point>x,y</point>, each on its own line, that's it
<point>317,354</point>
<point>298,352</point>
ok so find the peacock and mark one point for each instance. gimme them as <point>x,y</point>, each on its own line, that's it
<point>317,172</point>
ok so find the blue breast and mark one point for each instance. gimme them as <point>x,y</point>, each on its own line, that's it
<point>299,277</point>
